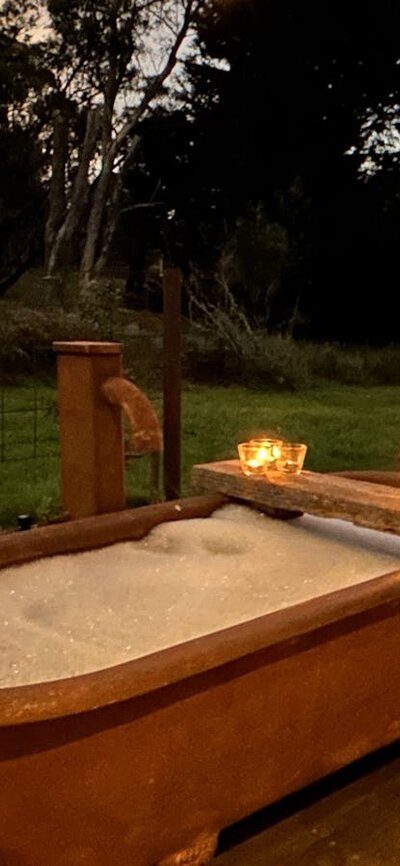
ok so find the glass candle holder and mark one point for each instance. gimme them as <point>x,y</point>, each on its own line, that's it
<point>253,458</point>
<point>272,449</point>
<point>292,458</point>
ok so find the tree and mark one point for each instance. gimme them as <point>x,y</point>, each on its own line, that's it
<point>113,60</point>
<point>22,80</point>
<point>287,119</point>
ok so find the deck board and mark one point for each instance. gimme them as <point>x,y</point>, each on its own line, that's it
<point>375,506</point>
<point>356,824</point>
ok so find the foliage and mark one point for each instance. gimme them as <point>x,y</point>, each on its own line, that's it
<point>19,18</point>
<point>284,108</point>
<point>264,132</point>
<point>98,311</point>
<point>275,119</point>
<point>260,250</point>
<point>353,365</point>
<point>243,351</point>
<point>220,344</point>
<point>119,57</point>
<point>22,80</point>
<point>101,67</point>
<point>23,334</point>
<point>27,335</point>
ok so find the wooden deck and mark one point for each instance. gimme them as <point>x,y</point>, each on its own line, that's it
<point>352,819</point>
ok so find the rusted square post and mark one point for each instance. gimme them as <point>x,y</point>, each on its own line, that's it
<point>91,434</point>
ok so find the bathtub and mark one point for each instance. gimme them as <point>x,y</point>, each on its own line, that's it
<point>145,761</point>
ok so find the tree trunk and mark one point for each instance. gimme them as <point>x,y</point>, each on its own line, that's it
<point>96,216</point>
<point>61,250</point>
<point>57,200</point>
<point>111,218</point>
<point>102,193</point>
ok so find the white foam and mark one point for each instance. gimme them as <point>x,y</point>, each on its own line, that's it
<point>74,614</point>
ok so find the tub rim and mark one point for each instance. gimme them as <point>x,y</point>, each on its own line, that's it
<point>325,615</point>
<point>103,530</point>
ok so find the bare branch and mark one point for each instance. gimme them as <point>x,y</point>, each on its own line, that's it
<point>155,85</point>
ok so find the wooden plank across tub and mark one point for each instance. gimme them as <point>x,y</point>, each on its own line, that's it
<point>376,506</point>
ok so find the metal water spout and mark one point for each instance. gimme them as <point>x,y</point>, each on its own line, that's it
<point>145,430</point>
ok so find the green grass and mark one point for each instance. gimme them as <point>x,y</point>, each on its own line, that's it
<point>346,427</point>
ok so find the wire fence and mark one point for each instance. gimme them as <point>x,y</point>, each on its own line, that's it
<point>28,423</point>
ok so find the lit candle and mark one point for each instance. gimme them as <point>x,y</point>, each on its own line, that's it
<point>253,458</point>
<point>262,455</point>
<point>270,448</point>
<point>292,458</point>
<point>259,460</point>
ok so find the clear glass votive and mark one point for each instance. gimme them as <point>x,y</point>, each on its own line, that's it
<point>272,449</point>
<point>253,458</point>
<point>292,458</point>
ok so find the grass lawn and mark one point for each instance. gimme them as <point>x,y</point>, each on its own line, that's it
<point>346,427</point>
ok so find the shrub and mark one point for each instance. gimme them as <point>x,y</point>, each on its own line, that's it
<point>27,335</point>
<point>24,335</point>
<point>221,346</point>
<point>385,365</point>
<point>335,363</point>
<point>277,362</point>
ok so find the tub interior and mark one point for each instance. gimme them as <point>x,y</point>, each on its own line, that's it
<point>73,614</point>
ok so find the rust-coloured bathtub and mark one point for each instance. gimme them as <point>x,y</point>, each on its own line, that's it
<point>133,764</point>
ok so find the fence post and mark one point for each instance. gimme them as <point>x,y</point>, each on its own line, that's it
<point>91,436</point>
<point>172,301</point>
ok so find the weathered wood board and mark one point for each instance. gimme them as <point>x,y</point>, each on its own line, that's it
<point>376,506</point>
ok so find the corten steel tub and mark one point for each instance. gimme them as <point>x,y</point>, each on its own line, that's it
<point>133,764</point>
